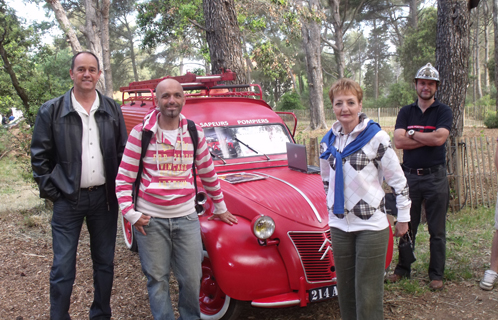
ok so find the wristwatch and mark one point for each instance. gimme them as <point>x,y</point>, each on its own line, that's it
<point>411,133</point>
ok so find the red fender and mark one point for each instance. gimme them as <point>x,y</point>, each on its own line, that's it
<point>244,270</point>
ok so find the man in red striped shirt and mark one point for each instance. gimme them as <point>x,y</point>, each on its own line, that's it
<point>164,216</point>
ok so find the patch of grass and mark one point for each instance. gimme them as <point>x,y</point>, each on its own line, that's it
<point>411,286</point>
<point>7,190</point>
<point>9,170</point>
<point>469,233</point>
<point>37,217</point>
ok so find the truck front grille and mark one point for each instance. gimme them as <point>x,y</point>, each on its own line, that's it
<point>312,246</point>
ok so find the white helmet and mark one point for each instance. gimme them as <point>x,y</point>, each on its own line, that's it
<point>427,72</point>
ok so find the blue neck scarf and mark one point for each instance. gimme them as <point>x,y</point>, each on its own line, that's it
<point>363,138</point>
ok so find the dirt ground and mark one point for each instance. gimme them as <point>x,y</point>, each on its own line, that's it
<point>26,257</point>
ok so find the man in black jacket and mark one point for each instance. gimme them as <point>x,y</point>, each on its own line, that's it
<point>78,141</point>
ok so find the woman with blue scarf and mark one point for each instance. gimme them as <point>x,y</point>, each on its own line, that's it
<point>356,158</point>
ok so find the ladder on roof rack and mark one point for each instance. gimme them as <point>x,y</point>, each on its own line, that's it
<point>207,86</point>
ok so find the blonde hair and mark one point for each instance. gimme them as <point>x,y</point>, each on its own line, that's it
<point>345,85</point>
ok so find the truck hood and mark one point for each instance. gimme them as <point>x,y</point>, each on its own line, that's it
<point>293,195</point>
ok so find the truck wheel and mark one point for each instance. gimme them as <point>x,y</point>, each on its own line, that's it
<point>215,304</point>
<point>129,238</point>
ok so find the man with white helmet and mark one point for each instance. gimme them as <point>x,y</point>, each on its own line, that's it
<point>421,131</point>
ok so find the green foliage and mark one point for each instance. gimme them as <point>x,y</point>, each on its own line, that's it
<point>173,25</point>
<point>491,69</point>
<point>290,101</point>
<point>41,71</point>
<point>491,120</point>
<point>486,100</point>
<point>400,94</point>
<point>17,142</point>
<point>379,70</point>
<point>381,102</point>
<point>271,61</point>
<point>419,46</point>
<point>50,77</point>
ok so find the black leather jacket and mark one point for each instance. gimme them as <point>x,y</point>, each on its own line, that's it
<point>56,147</point>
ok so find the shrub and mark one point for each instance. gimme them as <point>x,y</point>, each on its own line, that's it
<point>491,120</point>
<point>290,101</point>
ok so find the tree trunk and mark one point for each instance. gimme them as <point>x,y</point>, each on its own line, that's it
<point>477,60</point>
<point>413,14</point>
<point>106,53</point>
<point>65,25</point>
<point>223,37</point>
<point>8,68</point>
<point>129,36</point>
<point>474,78</point>
<point>301,83</point>
<point>452,58</point>
<point>376,68</point>
<point>247,59</point>
<point>310,30</point>
<point>486,46</point>
<point>495,24</point>
<point>338,38</point>
<point>92,32</point>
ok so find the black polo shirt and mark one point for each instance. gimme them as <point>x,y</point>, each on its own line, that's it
<point>438,115</point>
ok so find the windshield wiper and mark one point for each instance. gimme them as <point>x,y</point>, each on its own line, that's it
<point>267,158</point>
<point>220,157</point>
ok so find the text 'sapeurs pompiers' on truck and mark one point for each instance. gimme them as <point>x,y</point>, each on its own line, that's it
<point>279,254</point>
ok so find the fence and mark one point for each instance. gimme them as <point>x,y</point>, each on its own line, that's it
<point>473,115</point>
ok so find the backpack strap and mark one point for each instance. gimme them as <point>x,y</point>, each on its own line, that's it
<point>192,130</point>
<point>146,137</point>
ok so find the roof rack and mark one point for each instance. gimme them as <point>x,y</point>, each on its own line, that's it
<point>207,86</point>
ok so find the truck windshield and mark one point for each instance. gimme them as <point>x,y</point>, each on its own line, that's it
<point>245,141</point>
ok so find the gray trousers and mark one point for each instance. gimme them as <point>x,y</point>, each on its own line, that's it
<point>360,262</point>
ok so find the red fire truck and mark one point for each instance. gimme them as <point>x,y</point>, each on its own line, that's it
<point>279,254</point>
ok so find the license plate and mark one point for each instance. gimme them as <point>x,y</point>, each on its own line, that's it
<point>323,293</point>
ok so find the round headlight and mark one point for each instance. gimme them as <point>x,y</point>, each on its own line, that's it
<point>263,227</point>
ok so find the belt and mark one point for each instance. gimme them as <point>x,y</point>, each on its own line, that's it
<point>422,171</point>
<point>92,188</point>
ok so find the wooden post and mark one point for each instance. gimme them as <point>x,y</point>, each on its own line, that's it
<point>479,170</point>
<point>490,176</point>
<point>484,177</point>
<point>474,175</point>
<point>469,187</point>
<point>495,178</point>
<point>312,153</point>
<point>458,179</point>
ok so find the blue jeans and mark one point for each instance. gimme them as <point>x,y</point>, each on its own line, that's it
<point>434,189</point>
<point>174,242</point>
<point>360,261</point>
<point>66,228</point>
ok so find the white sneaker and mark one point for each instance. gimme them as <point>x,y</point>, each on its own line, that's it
<point>489,280</point>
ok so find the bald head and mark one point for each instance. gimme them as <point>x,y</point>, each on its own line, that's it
<point>170,99</point>
<point>168,83</point>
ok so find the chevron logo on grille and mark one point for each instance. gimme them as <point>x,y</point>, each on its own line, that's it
<point>326,244</point>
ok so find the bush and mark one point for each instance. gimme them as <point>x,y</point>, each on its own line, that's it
<point>382,102</point>
<point>491,120</point>
<point>401,94</point>
<point>290,101</point>
<point>486,100</point>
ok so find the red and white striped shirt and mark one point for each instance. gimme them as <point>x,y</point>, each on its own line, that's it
<point>167,184</point>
